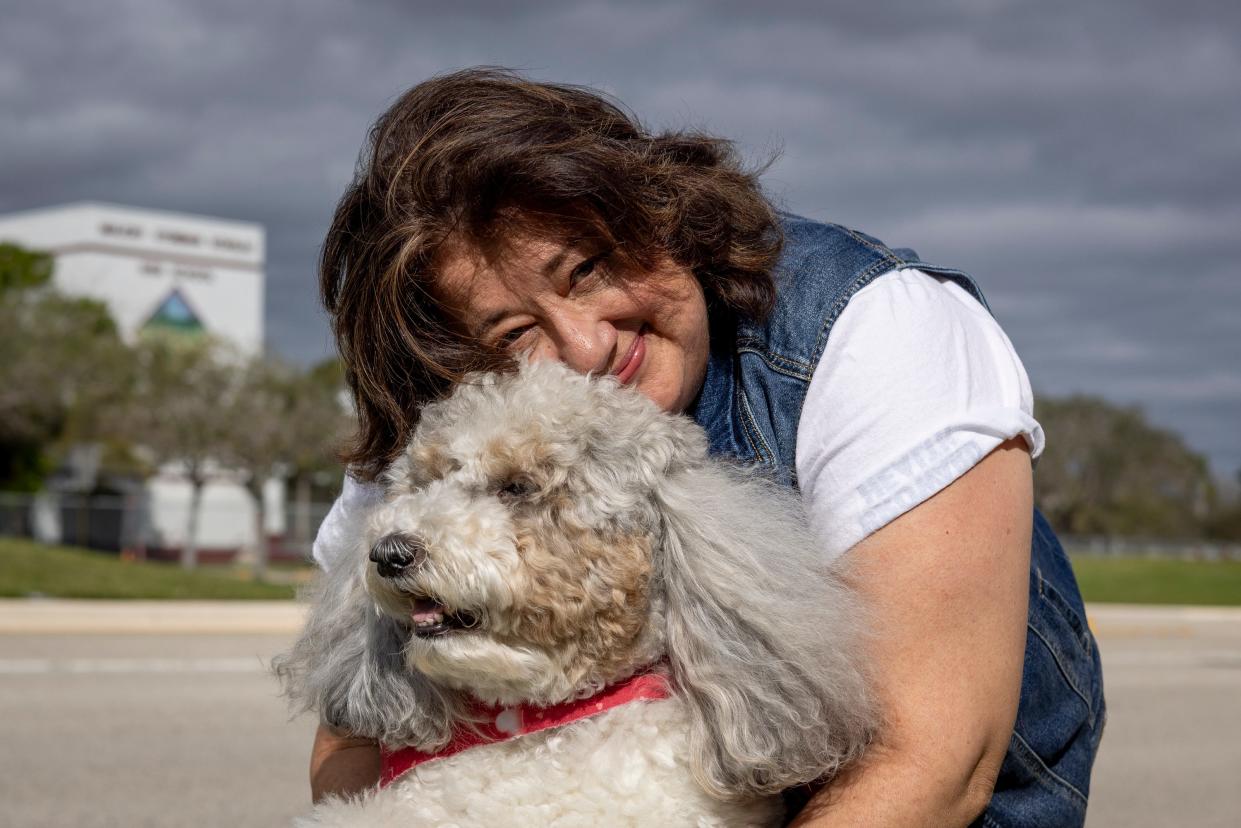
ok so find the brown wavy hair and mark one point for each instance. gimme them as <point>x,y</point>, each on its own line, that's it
<point>472,156</point>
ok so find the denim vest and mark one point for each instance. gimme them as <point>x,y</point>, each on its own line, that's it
<point>750,404</point>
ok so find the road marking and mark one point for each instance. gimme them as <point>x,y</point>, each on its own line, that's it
<point>1156,614</point>
<point>1225,658</point>
<point>22,616</point>
<point>129,666</point>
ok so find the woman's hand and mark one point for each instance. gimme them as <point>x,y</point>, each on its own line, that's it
<point>342,765</point>
<point>947,586</point>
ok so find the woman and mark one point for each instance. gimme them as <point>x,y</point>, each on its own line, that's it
<point>495,216</point>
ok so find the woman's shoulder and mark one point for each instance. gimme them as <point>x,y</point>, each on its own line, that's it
<point>820,260</point>
<point>918,383</point>
<point>808,242</point>
<point>759,373</point>
<point>822,266</point>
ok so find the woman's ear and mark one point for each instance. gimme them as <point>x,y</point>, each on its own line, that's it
<point>763,637</point>
<point>348,665</point>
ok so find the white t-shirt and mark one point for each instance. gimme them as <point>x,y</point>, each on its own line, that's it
<point>917,383</point>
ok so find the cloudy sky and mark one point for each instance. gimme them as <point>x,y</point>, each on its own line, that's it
<point>1081,160</point>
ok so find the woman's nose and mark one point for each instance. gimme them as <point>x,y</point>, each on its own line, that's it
<point>583,341</point>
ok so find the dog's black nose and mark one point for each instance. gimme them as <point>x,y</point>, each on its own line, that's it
<point>396,553</point>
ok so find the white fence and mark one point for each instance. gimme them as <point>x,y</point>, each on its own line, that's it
<point>1124,547</point>
<point>144,525</point>
<point>153,526</point>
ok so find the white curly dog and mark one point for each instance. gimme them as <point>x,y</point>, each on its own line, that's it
<point>566,614</point>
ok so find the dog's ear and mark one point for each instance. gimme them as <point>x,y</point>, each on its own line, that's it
<point>347,665</point>
<point>762,635</point>
<point>629,437</point>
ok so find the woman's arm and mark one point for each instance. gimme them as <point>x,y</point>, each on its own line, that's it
<point>342,765</point>
<point>947,584</point>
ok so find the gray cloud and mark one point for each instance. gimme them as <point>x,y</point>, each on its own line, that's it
<point>1079,159</point>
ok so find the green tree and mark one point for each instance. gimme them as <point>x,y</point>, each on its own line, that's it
<point>177,412</point>
<point>322,421</point>
<point>1224,522</point>
<point>1107,470</point>
<point>63,367</point>
<point>21,269</point>
<point>283,423</point>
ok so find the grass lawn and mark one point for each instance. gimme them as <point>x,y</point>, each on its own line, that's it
<point>1158,581</point>
<point>28,568</point>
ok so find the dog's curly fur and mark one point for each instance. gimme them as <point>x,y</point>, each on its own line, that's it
<point>591,536</point>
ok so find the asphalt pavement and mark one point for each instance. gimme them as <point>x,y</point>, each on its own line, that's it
<point>1171,751</point>
<point>164,714</point>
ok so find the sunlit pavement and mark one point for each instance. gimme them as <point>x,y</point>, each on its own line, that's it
<point>1171,752</point>
<point>147,730</point>
<point>110,723</point>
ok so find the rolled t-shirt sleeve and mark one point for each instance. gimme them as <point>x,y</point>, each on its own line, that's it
<point>916,384</point>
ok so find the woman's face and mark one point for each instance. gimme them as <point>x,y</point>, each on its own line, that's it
<point>557,300</point>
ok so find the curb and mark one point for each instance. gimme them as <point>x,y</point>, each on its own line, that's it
<point>84,617</point>
<point>1120,621</point>
<point>1157,613</point>
<point>31,616</point>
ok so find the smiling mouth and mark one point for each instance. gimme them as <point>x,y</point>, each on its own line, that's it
<point>431,618</point>
<point>633,358</point>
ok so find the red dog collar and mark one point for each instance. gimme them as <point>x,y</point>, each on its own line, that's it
<point>504,723</point>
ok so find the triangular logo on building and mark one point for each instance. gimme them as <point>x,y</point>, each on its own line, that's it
<point>174,314</point>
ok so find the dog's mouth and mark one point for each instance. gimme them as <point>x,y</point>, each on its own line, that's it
<point>431,618</point>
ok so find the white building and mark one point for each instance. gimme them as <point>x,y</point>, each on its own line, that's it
<point>154,268</point>
<point>160,269</point>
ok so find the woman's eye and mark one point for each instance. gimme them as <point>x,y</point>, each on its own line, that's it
<point>586,267</point>
<point>510,338</point>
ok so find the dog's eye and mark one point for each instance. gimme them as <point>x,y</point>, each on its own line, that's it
<point>516,488</point>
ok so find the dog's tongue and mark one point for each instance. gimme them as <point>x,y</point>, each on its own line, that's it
<point>427,611</point>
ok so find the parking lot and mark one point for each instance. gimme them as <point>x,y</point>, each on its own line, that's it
<point>109,724</point>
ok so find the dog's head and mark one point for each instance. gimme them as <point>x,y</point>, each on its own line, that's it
<point>515,549</point>
<point>545,534</point>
